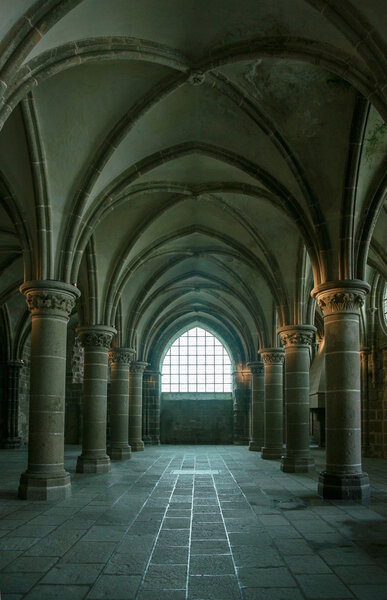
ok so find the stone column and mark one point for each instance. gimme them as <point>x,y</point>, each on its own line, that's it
<point>50,304</point>
<point>257,406</point>
<point>120,359</point>
<point>146,384</point>
<point>135,406</point>
<point>341,302</point>
<point>153,404</point>
<point>273,359</point>
<point>241,407</point>
<point>13,440</point>
<point>96,340</point>
<point>297,341</point>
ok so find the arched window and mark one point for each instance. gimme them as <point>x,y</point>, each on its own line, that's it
<point>196,362</point>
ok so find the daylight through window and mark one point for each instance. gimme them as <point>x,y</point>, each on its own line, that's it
<point>196,362</point>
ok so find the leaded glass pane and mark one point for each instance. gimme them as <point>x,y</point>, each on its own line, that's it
<point>196,362</point>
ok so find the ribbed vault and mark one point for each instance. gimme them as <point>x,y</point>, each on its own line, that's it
<point>192,162</point>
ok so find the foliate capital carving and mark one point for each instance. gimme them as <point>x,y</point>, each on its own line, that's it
<point>96,335</point>
<point>138,366</point>
<point>256,367</point>
<point>272,356</point>
<point>340,301</point>
<point>341,297</point>
<point>299,335</point>
<point>50,297</point>
<point>121,356</point>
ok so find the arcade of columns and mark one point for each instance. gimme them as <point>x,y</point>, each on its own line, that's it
<point>50,304</point>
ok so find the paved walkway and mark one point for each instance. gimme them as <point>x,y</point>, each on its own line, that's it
<point>196,522</point>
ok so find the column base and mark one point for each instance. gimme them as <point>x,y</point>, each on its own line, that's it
<point>120,453</point>
<point>344,487</point>
<point>255,446</point>
<point>272,453</point>
<point>147,440</point>
<point>12,443</point>
<point>53,487</point>
<point>137,446</point>
<point>155,441</point>
<point>241,442</point>
<point>87,464</point>
<point>297,464</point>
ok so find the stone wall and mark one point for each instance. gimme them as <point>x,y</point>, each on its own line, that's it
<point>74,381</point>
<point>196,419</point>
<point>24,393</point>
<point>3,402</point>
<point>376,424</point>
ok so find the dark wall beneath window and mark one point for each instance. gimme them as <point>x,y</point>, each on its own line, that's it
<point>196,419</point>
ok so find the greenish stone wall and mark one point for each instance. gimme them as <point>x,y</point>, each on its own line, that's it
<point>196,419</point>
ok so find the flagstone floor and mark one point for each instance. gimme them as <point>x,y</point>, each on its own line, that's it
<point>192,522</point>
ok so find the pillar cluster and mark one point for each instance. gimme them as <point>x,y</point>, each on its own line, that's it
<point>50,304</point>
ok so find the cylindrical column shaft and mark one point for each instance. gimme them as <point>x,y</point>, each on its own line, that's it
<point>13,440</point>
<point>151,397</point>
<point>273,359</point>
<point>120,359</point>
<point>135,406</point>
<point>241,407</point>
<point>257,406</point>
<point>96,340</point>
<point>297,340</point>
<point>343,476</point>
<point>50,304</point>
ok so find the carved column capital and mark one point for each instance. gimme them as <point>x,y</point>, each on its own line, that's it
<point>96,335</point>
<point>297,335</point>
<point>138,367</point>
<point>48,297</point>
<point>345,296</point>
<point>122,356</point>
<point>272,356</point>
<point>256,367</point>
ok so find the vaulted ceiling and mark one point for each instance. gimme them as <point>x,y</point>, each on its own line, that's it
<point>192,161</point>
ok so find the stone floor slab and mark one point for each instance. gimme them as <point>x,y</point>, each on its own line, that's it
<point>135,530</point>
<point>213,588</point>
